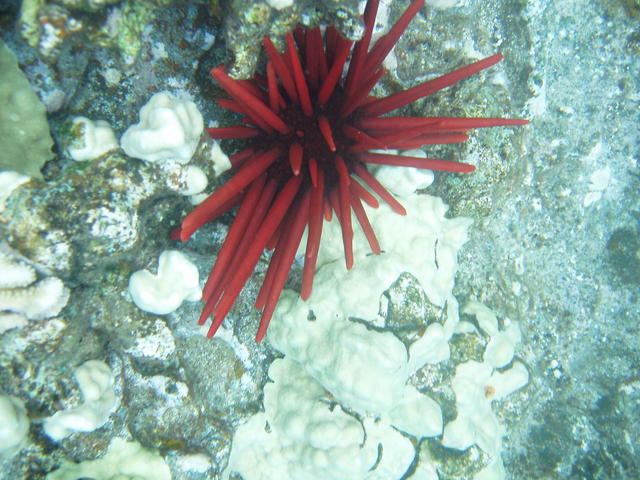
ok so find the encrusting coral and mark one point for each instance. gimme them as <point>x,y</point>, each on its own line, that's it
<point>311,133</point>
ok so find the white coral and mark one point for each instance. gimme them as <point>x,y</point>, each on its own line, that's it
<point>95,381</point>
<point>15,274</point>
<point>18,293</point>
<point>95,138</point>
<point>309,439</point>
<point>187,180</point>
<point>477,384</point>
<point>123,460</point>
<point>9,321</point>
<point>169,129</point>
<point>369,372</point>
<point>177,280</point>
<point>14,426</point>
<point>9,181</point>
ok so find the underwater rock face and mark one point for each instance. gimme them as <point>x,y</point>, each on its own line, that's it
<point>552,247</point>
<point>87,219</point>
<point>623,250</point>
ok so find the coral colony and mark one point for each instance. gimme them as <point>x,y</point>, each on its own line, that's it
<point>310,132</point>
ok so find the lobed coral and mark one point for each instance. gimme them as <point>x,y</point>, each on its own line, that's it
<point>19,295</point>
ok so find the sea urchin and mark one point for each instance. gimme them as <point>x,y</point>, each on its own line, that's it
<point>311,130</point>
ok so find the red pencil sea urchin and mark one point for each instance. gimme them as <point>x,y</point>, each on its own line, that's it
<point>310,131</point>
